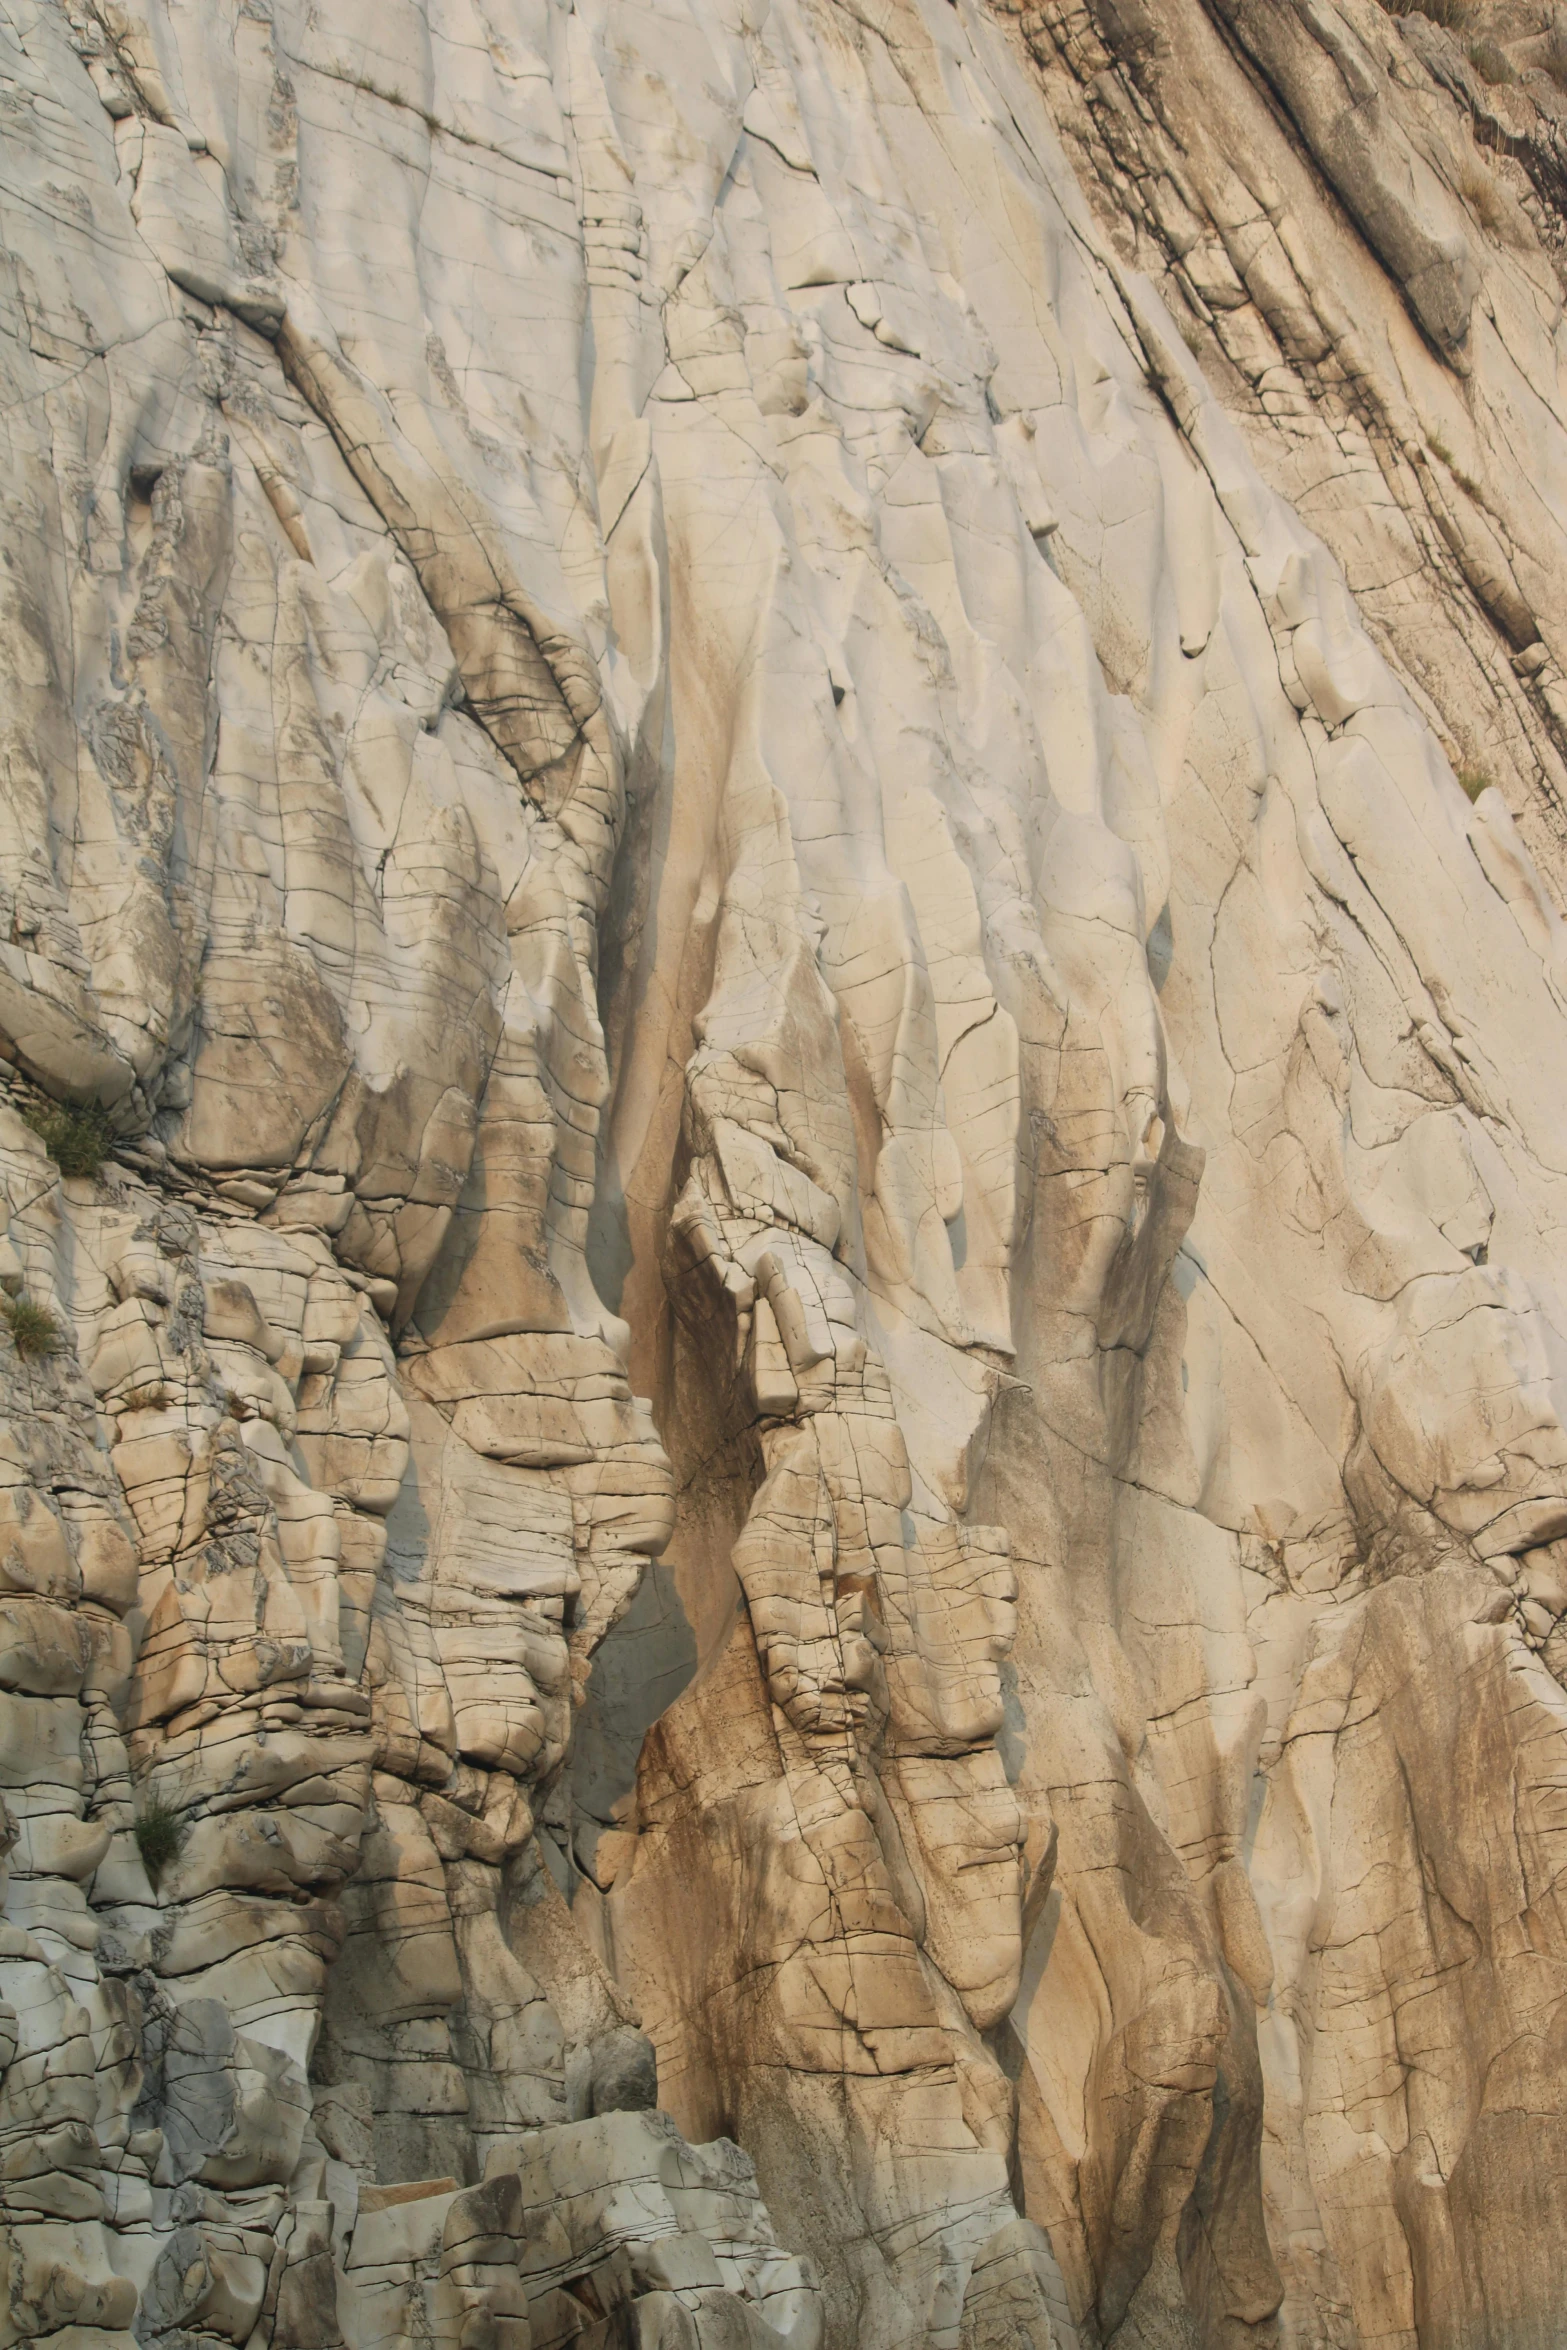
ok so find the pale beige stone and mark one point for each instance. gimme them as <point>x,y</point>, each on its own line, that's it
<point>786,1562</point>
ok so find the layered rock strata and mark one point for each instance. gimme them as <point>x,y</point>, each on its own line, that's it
<point>782,998</point>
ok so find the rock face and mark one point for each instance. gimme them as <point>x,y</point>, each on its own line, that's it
<point>783,1034</point>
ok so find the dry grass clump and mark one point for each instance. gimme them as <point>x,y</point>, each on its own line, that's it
<point>1480,192</point>
<point>1493,204</point>
<point>1490,61</point>
<point>1454,15</point>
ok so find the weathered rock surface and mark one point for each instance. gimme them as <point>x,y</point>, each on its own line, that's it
<point>783,1504</point>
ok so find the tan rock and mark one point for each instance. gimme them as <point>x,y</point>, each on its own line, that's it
<point>782,1430</point>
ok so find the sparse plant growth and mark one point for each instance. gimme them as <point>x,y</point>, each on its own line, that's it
<point>76,1140</point>
<point>151,1397</point>
<point>1483,194</point>
<point>1452,15</point>
<point>160,1833</point>
<point>1474,780</point>
<point>390,94</point>
<point>1490,61</point>
<point>35,1331</point>
<point>1438,447</point>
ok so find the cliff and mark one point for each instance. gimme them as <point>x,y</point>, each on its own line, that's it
<point>783,1141</point>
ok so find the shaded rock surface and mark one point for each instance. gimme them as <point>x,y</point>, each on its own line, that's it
<point>783,1034</point>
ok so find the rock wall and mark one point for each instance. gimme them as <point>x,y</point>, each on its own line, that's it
<point>783,1011</point>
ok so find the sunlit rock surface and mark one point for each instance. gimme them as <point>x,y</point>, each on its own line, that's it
<point>783,1388</point>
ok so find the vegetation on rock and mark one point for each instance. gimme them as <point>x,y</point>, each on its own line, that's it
<point>160,1834</point>
<point>35,1331</point>
<point>76,1140</point>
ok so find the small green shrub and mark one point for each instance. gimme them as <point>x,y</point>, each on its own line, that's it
<point>1474,780</point>
<point>160,1833</point>
<point>35,1331</point>
<point>76,1140</point>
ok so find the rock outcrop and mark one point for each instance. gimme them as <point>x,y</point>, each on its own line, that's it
<point>783,1152</point>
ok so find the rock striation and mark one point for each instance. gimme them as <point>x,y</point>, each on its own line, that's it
<point>783,1160</point>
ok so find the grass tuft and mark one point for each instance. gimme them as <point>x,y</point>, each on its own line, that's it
<point>1490,61</point>
<point>76,1140</point>
<point>150,1397</point>
<point>1454,15</point>
<point>1483,193</point>
<point>35,1331</point>
<point>1472,781</point>
<point>160,1833</point>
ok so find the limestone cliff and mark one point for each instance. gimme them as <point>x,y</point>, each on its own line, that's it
<point>783,1311</point>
